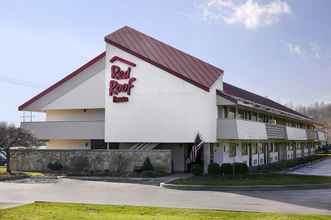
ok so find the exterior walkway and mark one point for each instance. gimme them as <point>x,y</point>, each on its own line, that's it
<point>322,168</point>
<point>95,192</point>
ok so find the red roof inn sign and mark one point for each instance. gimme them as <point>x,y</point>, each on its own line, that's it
<point>117,89</point>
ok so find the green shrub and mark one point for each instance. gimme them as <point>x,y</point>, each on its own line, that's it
<point>147,165</point>
<point>227,169</point>
<point>151,173</point>
<point>214,169</point>
<point>240,168</point>
<point>197,169</point>
<point>55,166</point>
<point>285,164</point>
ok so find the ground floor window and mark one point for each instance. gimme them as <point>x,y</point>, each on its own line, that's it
<point>244,149</point>
<point>233,150</point>
<point>254,148</point>
<point>260,148</point>
<point>271,147</point>
<point>290,147</point>
<point>277,147</point>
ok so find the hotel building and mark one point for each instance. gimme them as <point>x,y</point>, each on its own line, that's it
<point>142,94</point>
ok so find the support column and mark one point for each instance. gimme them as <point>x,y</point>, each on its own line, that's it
<point>206,157</point>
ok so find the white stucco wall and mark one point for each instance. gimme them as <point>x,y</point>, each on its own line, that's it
<point>85,90</point>
<point>162,108</point>
<point>76,115</point>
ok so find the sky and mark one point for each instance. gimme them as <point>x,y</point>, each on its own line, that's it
<point>276,48</point>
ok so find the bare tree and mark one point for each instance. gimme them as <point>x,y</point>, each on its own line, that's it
<point>320,112</point>
<point>11,136</point>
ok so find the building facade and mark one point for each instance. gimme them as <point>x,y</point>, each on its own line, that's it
<point>142,94</point>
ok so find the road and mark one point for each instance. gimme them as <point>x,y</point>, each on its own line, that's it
<point>322,168</point>
<point>97,192</point>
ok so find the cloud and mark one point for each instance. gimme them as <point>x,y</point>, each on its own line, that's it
<point>295,49</point>
<point>311,50</point>
<point>249,13</point>
<point>316,50</point>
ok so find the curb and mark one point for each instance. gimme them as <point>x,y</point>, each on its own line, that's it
<point>10,178</point>
<point>245,188</point>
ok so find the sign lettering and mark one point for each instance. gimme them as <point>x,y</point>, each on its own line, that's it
<point>117,74</point>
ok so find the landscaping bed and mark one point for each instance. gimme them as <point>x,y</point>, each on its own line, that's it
<point>62,211</point>
<point>239,176</point>
<point>290,164</point>
<point>4,176</point>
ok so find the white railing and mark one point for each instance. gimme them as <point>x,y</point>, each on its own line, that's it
<point>241,129</point>
<point>296,133</point>
<point>66,129</point>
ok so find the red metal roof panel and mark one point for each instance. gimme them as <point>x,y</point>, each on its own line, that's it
<point>165,57</point>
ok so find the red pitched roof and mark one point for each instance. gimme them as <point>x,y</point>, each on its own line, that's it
<point>168,58</point>
<point>234,91</point>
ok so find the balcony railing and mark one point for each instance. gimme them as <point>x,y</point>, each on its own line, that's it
<point>322,136</point>
<point>241,129</point>
<point>311,134</point>
<point>66,129</point>
<point>275,131</point>
<point>296,133</point>
<point>253,130</point>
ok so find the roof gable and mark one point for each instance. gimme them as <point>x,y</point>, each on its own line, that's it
<point>62,81</point>
<point>170,59</point>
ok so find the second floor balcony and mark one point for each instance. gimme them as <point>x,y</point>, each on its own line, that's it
<point>241,129</point>
<point>238,129</point>
<point>46,130</point>
<point>296,134</point>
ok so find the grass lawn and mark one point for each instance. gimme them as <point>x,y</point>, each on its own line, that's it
<point>61,211</point>
<point>253,180</point>
<point>2,170</point>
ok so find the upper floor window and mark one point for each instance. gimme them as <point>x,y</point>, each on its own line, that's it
<point>271,147</point>
<point>228,112</point>
<point>260,149</point>
<point>277,146</point>
<point>264,118</point>
<point>254,116</point>
<point>244,115</point>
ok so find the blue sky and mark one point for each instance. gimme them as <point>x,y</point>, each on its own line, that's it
<point>277,48</point>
